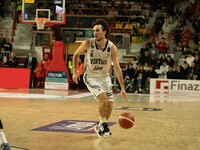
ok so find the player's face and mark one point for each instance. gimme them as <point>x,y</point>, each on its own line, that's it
<point>98,32</point>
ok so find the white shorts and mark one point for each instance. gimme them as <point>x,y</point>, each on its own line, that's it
<point>98,85</point>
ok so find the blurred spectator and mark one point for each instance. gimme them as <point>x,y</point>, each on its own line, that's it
<point>191,76</point>
<point>190,10</point>
<point>140,78</point>
<point>129,84</point>
<point>153,50</point>
<point>153,62</point>
<point>146,88</point>
<point>186,32</point>
<point>192,45</point>
<point>144,48</point>
<point>182,59</point>
<point>151,72</point>
<point>2,40</point>
<point>196,27</point>
<point>178,74</point>
<point>13,61</point>
<point>31,62</point>
<point>162,46</point>
<point>45,63</point>
<point>129,25</point>
<point>177,53</point>
<point>162,59</point>
<point>7,46</point>
<point>157,27</point>
<point>177,12</point>
<point>185,70</point>
<point>164,68</point>
<point>175,64</point>
<point>181,22</point>
<point>40,71</point>
<point>139,83</point>
<point>137,33</point>
<point>197,61</point>
<point>170,60</point>
<point>171,47</point>
<point>130,72</point>
<point>170,73</point>
<point>119,24</point>
<point>146,67</point>
<point>194,71</point>
<point>184,43</point>
<point>189,58</point>
<point>144,59</point>
<point>143,30</point>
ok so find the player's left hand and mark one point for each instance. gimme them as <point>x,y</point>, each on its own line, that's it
<point>75,78</point>
<point>123,93</point>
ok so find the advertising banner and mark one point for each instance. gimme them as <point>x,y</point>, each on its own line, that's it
<point>175,87</point>
<point>57,80</point>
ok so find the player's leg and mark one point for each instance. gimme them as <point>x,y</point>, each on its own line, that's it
<point>94,86</point>
<point>105,109</point>
<point>109,109</point>
<point>103,105</point>
<point>3,141</point>
<point>107,87</point>
<point>106,104</point>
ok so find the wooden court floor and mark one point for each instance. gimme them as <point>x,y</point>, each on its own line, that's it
<point>162,122</point>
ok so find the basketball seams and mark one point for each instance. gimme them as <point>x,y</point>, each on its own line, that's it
<point>126,119</point>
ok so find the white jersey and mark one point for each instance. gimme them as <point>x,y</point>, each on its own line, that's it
<point>97,63</point>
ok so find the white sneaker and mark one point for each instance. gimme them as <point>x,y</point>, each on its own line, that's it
<point>102,130</point>
<point>5,146</point>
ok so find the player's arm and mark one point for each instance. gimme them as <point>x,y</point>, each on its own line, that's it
<point>118,71</point>
<point>81,50</point>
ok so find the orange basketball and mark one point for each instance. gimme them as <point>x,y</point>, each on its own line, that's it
<point>126,120</point>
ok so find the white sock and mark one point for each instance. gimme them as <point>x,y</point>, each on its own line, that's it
<point>102,120</point>
<point>3,137</point>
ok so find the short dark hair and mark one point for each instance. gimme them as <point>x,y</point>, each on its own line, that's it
<point>104,25</point>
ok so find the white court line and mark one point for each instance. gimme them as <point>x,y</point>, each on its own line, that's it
<point>27,95</point>
<point>79,95</point>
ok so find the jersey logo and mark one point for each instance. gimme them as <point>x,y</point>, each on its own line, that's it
<point>97,68</point>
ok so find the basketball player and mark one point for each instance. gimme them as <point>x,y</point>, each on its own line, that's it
<point>3,141</point>
<point>99,54</point>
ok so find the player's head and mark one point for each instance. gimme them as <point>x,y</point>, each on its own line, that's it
<point>102,25</point>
